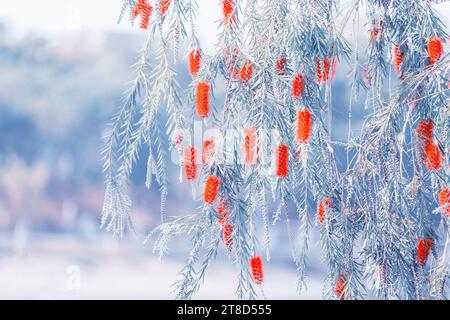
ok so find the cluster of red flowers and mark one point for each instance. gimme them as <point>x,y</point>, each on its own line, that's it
<point>323,69</point>
<point>423,250</point>
<point>227,227</point>
<point>444,201</point>
<point>398,59</point>
<point>282,161</point>
<point>246,72</point>
<point>430,153</point>
<point>434,50</point>
<point>298,85</point>
<point>304,126</point>
<point>228,11</point>
<point>190,163</point>
<point>321,212</point>
<point>341,286</point>
<point>249,145</point>
<point>144,9</point>
<point>212,185</point>
<point>202,99</point>
<point>256,267</point>
<point>194,62</point>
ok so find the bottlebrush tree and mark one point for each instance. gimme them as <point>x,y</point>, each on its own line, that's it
<point>383,219</point>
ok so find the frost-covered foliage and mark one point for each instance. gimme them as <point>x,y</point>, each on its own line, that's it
<point>383,219</point>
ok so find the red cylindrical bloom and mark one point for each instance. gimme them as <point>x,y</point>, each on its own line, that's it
<point>256,267</point>
<point>246,72</point>
<point>202,95</point>
<point>298,86</point>
<point>423,250</point>
<point>341,286</point>
<point>211,189</point>
<point>190,163</point>
<point>208,152</point>
<point>228,11</point>
<point>434,50</point>
<point>444,201</point>
<point>249,145</point>
<point>228,235</point>
<point>304,126</point>
<point>282,161</point>
<point>146,12</point>
<point>433,159</point>
<point>194,62</point>
<point>398,59</point>
<point>425,132</point>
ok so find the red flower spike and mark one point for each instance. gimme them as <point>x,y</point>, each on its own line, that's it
<point>190,163</point>
<point>319,70</point>
<point>146,12</point>
<point>246,72</point>
<point>282,161</point>
<point>341,286</point>
<point>256,267</point>
<point>222,211</point>
<point>249,145</point>
<point>228,11</point>
<point>211,189</point>
<point>208,151</point>
<point>304,126</point>
<point>165,4</point>
<point>434,50</point>
<point>281,66</point>
<point>194,62</point>
<point>321,212</point>
<point>228,235</point>
<point>433,159</point>
<point>444,201</point>
<point>425,131</point>
<point>423,250</point>
<point>398,59</point>
<point>298,86</point>
<point>202,102</point>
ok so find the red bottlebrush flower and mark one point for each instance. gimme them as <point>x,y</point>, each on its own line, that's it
<point>434,50</point>
<point>433,159</point>
<point>444,201</point>
<point>211,189</point>
<point>249,145</point>
<point>304,126</point>
<point>298,86</point>
<point>341,286</point>
<point>319,70</point>
<point>256,267</point>
<point>222,211</point>
<point>425,131</point>
<point>228,11</point>
<point>194,62</point>
<point>321,213</point>
<point>203,107</point>
<point>326,69</point>
<point>146,12</point>
<point>165,4</point>
<point>398,59</point>
<point>190,163</point>
<point>282,161</point>
<point>281,65</point>
<point>246,72</point>
<point>423,250</point>
<point>228,235</point>
<point>208,151</point>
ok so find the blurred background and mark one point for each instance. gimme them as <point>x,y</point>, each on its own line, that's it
<point>63,68</point>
